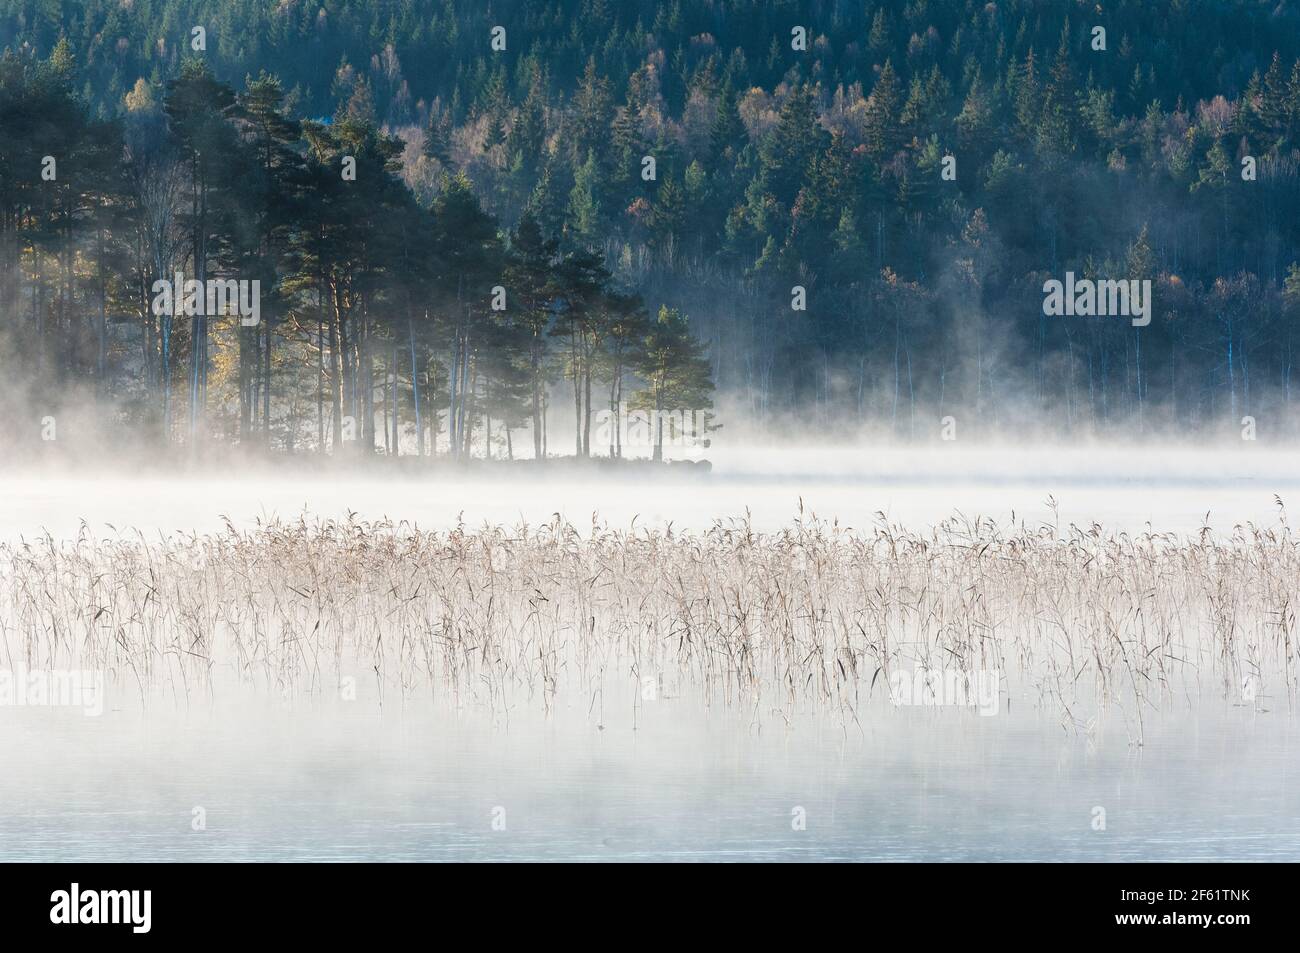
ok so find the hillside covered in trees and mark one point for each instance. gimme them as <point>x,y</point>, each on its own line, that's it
<point>475,226</point>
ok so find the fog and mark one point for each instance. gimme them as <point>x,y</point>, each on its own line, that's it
<point>688,784</point>
<point>248,767</point>
<point>1126,487</point>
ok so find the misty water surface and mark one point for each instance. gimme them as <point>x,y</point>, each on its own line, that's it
<point>1171,488</point>
<point>686,784</point>
<point>677,779</point>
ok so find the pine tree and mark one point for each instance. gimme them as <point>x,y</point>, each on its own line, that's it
<point>581,281</point>
<point>1141,258</point>
<point>437,138</point>
<point>975,121</point>
<point>675,370</point>
<point>261,112</point>
<point>1274,109</point>
<point>593,112</point>
<point>496,132</point>
<point>878,40</point>
<point>625,327</point>
<point>583,226</point>
<point>1028,98</point>
<point>528,133</point>
<point>534,289</point>
<point>790,147</point>
<point>667,216</point>
<point>726,135</point>
<point>881,133</point>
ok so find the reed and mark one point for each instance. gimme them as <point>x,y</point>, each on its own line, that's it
<point>815,615</point>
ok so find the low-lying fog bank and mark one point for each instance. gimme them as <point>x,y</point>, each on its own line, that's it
<point>1172,488</point>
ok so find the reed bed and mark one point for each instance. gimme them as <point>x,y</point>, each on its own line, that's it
<point>815,615</point>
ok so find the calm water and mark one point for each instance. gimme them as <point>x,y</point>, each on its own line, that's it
<point>349,783</point>
<point>357,781</point>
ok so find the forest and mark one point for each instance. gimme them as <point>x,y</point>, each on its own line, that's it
<point>478,230</point>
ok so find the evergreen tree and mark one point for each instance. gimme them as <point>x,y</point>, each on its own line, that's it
<point>676,373</point>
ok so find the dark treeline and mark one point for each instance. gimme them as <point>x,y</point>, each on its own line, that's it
<point>382,322</point>
<point>778,161</point>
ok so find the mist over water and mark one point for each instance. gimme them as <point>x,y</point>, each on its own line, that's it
<point>412,773</point>
<point>1173,488</point>
<point>688,783</point>
<point>570,430</point>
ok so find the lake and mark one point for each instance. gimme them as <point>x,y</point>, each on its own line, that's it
<point>244,774</point>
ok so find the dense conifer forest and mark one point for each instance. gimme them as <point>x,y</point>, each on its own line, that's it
<point>488,229</point>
